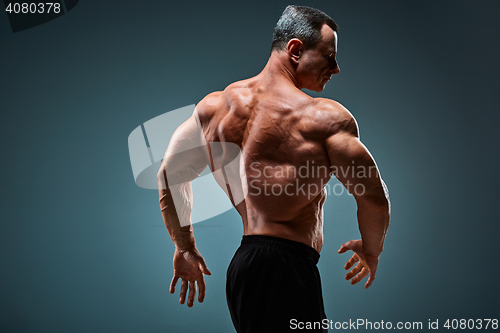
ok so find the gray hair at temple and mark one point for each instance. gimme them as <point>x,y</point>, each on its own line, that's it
<point>303,23</point>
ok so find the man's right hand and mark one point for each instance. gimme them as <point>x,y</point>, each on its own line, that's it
<point>367,263</point>
<point>189,266</point>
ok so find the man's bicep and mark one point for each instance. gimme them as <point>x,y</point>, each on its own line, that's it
<point>184,159</point>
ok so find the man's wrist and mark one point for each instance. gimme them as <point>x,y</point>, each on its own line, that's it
<point>186,248</point>
<point>372,253</point>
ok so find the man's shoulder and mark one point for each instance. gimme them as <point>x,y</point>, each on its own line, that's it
<point>330,109</point>
<point>219,102</point>
<point>209,106</point>
<point>333,116</point>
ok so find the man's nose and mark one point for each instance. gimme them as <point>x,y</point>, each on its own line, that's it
<point>335,69</point>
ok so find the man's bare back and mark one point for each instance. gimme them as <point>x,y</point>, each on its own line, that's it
<point>282,134</point>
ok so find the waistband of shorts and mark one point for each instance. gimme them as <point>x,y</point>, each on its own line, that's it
<point>282,244</point>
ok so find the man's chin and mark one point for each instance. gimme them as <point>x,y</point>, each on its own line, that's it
<point>318,88</point>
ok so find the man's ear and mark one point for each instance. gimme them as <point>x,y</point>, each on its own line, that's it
<point>294,49</point>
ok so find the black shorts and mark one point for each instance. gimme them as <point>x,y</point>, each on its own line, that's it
<point>272,285</point>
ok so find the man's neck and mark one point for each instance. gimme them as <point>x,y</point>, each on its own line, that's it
<point>279,70</point>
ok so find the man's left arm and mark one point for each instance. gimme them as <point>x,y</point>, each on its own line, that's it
<point>184,160</point>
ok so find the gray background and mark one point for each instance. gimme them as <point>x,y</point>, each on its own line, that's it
<point>83,249</point>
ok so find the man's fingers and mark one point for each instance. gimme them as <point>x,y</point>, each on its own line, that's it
<point>368,283</point>
<point>360,276</point>
<point>201,292</point>
<point>192,293</point>
<point>344,247</point>
<point>204,268</point>
<point>173,283</point>
<point>184,287</point>
<point>367,265</point>
<point>354,271</point>
<point>354,259</point>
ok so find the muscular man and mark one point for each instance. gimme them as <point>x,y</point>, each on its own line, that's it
<point>290,144</point>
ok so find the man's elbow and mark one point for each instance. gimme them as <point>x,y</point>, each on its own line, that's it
<point>376,195</point>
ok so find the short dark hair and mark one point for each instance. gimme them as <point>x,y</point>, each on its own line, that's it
<point>303,23</point>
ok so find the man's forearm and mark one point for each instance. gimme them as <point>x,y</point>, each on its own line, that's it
<point>373,220</point>
<point>182,236</point>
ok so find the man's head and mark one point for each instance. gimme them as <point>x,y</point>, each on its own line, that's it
<point>309,38</point>
<point>303,23</point>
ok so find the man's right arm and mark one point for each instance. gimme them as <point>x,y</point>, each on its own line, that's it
<point>346,152</point>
